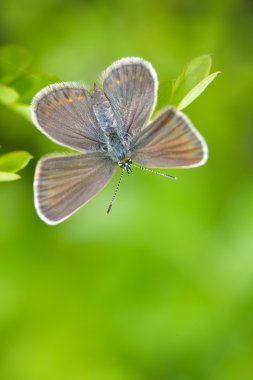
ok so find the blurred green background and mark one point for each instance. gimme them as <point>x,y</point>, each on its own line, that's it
<point>162,289</point>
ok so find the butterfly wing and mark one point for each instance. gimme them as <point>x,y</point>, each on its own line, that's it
<point>63,183</point>
<point>130,84</point>
<point>170,141</point>
<point>63,112</point>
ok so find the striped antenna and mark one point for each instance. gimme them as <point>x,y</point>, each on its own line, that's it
<point>153,171</point>
<point>115,193</point>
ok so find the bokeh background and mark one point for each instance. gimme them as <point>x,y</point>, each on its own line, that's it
<point>162,289</point>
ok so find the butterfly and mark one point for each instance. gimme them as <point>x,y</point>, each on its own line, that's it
<point>109,127</point>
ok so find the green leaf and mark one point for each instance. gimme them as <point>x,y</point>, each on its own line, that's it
<point>13,62</point>
<point>4,177</point>
<point>8,95</point>
<point>193,74</point>
<point>14,161</point>
<point>197,90</point>
<point>22,85</point>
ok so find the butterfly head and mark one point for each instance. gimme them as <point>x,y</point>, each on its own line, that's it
<point>126,165</point>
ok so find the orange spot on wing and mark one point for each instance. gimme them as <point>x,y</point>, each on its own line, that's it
<point>118,82</point>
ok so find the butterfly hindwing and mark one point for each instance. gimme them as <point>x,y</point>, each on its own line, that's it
<point>63,183</point>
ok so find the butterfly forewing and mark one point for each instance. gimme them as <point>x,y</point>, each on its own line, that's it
<point>63,111</point>
<point>130,84</point>
<point>63,183</point>
<point>170,141</point>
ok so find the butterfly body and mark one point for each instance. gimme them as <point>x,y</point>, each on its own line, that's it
<point>109,128</point>
<point>117,147</point>
<point>116,144</point>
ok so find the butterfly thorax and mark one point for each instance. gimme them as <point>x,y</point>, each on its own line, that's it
<point>117,147</point>
<point>116,144</point>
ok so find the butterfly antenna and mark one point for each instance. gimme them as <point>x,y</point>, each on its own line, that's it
<point>115,193</point>
<point>153,171</point>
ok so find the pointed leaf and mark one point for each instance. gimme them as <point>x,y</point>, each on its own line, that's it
<point>14,161</point>
<point>194,72</point>
<point>6,177</point>
<point>196,91</point>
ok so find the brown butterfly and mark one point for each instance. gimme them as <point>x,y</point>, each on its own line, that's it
<point>109,127</point>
